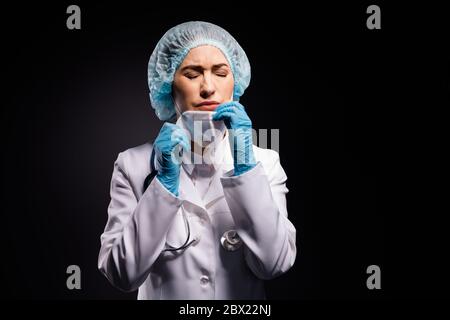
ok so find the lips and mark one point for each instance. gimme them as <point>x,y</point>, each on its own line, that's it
<point>207,106</point>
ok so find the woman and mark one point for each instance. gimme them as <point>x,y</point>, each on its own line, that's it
<point>210,222</point>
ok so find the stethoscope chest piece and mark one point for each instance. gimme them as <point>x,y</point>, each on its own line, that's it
<point>231,240</point>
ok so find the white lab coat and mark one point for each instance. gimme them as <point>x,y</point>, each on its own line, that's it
<point>141,224</point>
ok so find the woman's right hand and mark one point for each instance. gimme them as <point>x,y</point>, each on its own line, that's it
<point>168,144</point>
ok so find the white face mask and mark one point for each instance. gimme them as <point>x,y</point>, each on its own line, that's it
<point>202,129</point>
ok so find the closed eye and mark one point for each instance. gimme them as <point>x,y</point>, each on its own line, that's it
<point>191,75</point>
<point>222,74</point>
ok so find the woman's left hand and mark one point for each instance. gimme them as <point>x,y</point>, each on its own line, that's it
<point>240,130</point>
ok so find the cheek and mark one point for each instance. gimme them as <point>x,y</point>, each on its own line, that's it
<point>185,90</point>
<point>229,88</point>
<point>226,85</point>
<point>231,84</point>
<point>190,92</point>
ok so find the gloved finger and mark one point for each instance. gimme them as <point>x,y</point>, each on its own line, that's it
<point>177,140</point>
<point>224,106</point>
<point>219,114</point>
<point>177,134</point>
<point>168,127</point>
<point>235,104</point>
<point>227,103</point>
<point>239,106</point>
<point>182,145</point>
<point>177,146</point>
<point>182,134</point>
<point>185,143</point>
<point>179,129</point>
<point>165,134</point>
<point>228,108</point>
<point>225,115</point>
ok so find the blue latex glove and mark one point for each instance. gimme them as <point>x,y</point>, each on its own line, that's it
<point>240,133</point>
<point>170,139</point>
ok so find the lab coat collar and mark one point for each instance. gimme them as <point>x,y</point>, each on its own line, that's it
<point>222,161</point>
<point>213,154</point>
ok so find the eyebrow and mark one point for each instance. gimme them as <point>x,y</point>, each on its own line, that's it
<point>200,68</point>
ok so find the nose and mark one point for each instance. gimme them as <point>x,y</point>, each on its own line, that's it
<point>207,88</point>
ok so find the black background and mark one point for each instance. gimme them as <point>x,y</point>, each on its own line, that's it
<point>360,114</point>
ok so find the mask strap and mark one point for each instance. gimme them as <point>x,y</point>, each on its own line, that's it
<point>177,108</point>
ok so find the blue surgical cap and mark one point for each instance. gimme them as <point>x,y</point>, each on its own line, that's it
<point>171,50</point>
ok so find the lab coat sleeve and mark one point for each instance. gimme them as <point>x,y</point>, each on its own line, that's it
<point>136,230</point>
<point>257,201</point>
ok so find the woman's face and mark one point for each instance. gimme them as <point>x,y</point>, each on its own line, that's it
<point>203,81</point>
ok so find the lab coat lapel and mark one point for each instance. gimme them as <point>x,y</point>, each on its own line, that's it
<point>215,191</point>
<point>188,191</point>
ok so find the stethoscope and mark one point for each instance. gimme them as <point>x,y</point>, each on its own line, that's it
<point>230,240</point>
